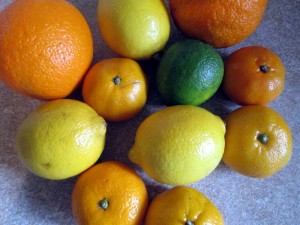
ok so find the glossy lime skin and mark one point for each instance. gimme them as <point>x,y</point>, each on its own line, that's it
<point>189,73</point>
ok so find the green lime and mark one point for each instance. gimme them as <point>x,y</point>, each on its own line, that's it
<point>189,73</point>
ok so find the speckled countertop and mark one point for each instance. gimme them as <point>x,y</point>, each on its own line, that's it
<point>27,199</point>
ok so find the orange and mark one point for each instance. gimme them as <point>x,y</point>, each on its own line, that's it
<point>183,206</point>
<point>254,75</point>
<point>220,23</point>
<point>45,47</point>
<point>109,193</point>
<point>258,141</point>
<point>116,88</point>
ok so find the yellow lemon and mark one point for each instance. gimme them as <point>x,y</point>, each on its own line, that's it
<point>60,139</point>
<point>179,144</point>
<point>133,28</point>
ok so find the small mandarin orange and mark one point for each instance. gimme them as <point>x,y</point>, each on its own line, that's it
<point>109,193</point>
<point>258,141</point>
<point>183,205</point>
<point>116,88</point>
<point>254,75</point>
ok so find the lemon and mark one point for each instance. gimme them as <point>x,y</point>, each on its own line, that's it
<point>179,144</point>
<point>60,139</point>
<point>133,28</point>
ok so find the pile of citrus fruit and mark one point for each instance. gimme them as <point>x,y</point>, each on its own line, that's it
<point>47,57</point>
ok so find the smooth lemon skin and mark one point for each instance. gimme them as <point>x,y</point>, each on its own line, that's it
<point>179,145</point>
<point>60,139</point>
<point>133,28</point>
<point>183,205</point>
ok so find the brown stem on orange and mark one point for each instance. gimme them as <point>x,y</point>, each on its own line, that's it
<point>263,138</point>
<point>264,68</point>
<point>117,80</point>
<point>103,204</point>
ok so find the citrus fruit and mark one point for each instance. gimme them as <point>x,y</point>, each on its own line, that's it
<point>220,23</point>
<point>179,144</point>
<point>189,73</point>
<point>254,75</point>
<point>45,47</point>
<point>258,141</point>
<point>116,88</point>
<point>109,193</point>
<point>183,206</point>
<point>60,139</point>
<point>134,29</point>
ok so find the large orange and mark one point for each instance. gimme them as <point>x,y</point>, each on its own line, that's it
<point>116,88</point>
<point>254,75</point>
<point>258,141</point>
<point>45,47</point>
<point>109,193</point>
<point>221,23</point>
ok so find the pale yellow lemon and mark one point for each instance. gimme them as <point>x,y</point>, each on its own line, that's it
<point>133,28</point>
<point>60,139</point>
<point>179,144</point>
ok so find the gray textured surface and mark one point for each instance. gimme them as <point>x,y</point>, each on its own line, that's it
<point>27,199</point>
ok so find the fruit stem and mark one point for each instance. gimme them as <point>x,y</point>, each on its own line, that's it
<point>264,68</point>
<point>117,80</point>
<point>188,222</point>
<point>103,204</point>
<point>263,138</point>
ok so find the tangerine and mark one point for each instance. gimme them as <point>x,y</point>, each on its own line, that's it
<point>45,47</point>
<point>116,88</point>
<point>258,141</point>
<point>109,193</point>
<point>183,205</point>
<point>254,75</point>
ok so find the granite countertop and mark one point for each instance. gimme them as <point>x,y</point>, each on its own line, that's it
<point>28,199</point>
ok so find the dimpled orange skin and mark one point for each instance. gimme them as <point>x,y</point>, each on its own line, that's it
<point>247,82</point>
<point>116,88</point>
<point>220,23</point>
<point>117,184</point>
<point>183,205</point>
<point>250,154</point>
<point>45,47</point>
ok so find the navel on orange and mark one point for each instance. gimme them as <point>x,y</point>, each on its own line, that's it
<point>109,193</point>
<point>116,88</point>
<point>258,141</point>
<point>254,75</point>
<point>220,23</point>
<point>45,47</point>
